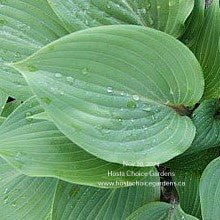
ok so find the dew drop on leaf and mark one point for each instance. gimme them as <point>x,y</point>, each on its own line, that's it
<point>28,116</point>
<point>131,104</point>
<point>69,79</point>
<point>58,75</point>
<point>3,22</point>
<point>32,68</point>
<point>136,97</point>
<point>148,5</point>
<point>6,190</point>
<point>6,199</point>
<point>46,100</point>
<point>151,21</point>
<point>147,109</point>
<point>13,204</point>
<point>109,89</point>
<point>85,71</point>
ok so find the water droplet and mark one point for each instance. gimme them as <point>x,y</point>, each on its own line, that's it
<point>108,5</point>
<point>28,117</point>
<point>148,5</point>
<point>171,92</point>
<point>69,79</point>
<point>6,199</point>
<point>3,22</point>
<point>148,109</point>
<point>151,21</point>
<point>17,54</point>
<point>131,104</point>
<point>136,97</point>
<point>85,71</point>
<point>28,114</point>
<point>120,119</point>
<point>58,75</point>
<point>158,7</point>
<point>6,190</point>
<point>32,68</point>
<point>13,204</point>
<point>109,89</point>
<point>171,3</point>
<point>46,100</point>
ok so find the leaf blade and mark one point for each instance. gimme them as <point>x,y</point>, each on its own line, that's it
<point>104,94</point>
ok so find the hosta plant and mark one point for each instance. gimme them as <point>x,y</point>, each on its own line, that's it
<point>109,109</point>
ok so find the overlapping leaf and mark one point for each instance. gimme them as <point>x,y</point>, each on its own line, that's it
<point>187,171</point>
<point>23,197</point>
<point>160,210</point>
<point>195,161</point>
<point>207,50</point>
<point>84,203</point>
<point>189,192</point>
<point>206,120</point>
<point>194,23</point>
<point>37,148</point>
<point>167,16</point>
<point>110,90</point>
<point>25,26</point>
<point>210,191</point>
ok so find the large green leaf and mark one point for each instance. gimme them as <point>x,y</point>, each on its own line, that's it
<point>160,211</point>
<point>37,148</point>
<point>115,90</point>
<point>25,26</point>
<point>167,16</point>
<point>189,193</point>
<point>187,171</point>
<point>88,203</point>
<point>206,120</point>
<point>210,191</point>
<point>22,197</point>
<point>194,23</point>
<point>206,49</point>
<point>194,161</point>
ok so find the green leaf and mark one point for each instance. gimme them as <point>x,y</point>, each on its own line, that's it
<point>189,193</point>
<point>160,210</point>
<point>22,197</point>
<point>25,26</point>
<point>187,170</point>
<point>115,90</point>
<point>206,120</point>
<point>195,161</point>
<point>167,16</point>
<point>207,50</point>
<point>210,191</point>
<point>3,100</point>
<point>81,202</point>
<point>37,148</point>
<point>194,23</point>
